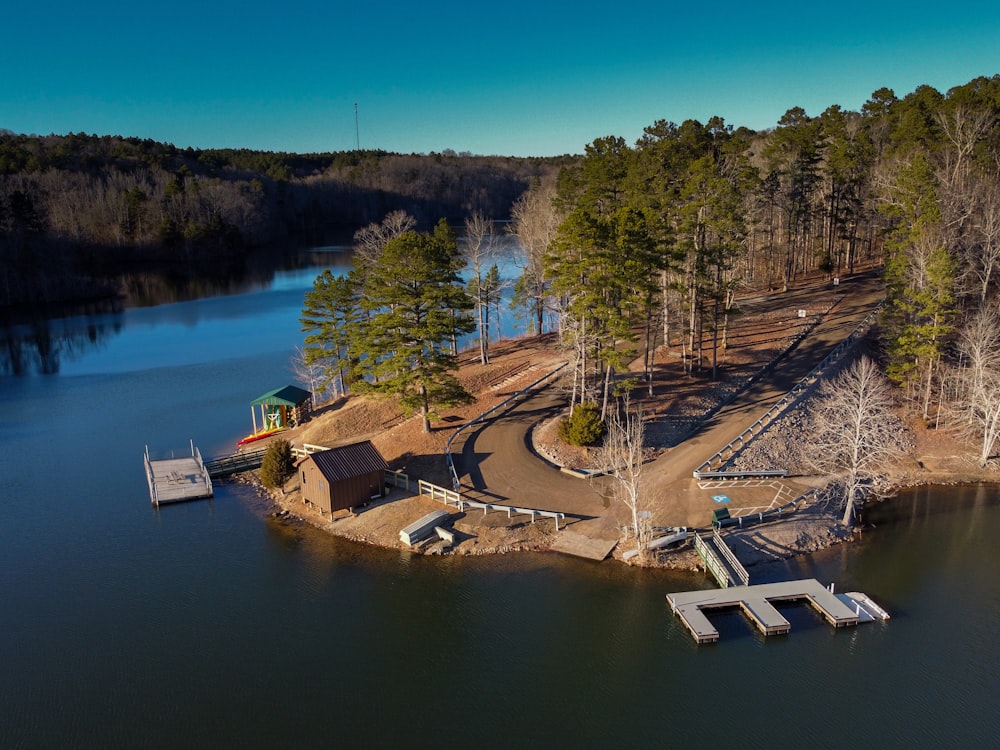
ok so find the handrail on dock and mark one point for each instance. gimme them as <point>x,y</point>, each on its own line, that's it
<point>720,561</point>
<point>730,556</point>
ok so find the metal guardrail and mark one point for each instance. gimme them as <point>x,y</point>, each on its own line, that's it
<point>451,497</point>
<point>735,446</point>
<point>740,474</point>
<point>485,415</point>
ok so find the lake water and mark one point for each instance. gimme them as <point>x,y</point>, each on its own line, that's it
<point>210,624</point>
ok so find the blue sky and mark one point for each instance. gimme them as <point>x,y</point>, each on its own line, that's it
<point>523,77</point>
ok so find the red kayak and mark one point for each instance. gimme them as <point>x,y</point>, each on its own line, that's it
<point>259,436</point>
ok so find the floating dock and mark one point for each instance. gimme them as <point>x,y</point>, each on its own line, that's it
<point>755,602</point>
<point>174,480</point>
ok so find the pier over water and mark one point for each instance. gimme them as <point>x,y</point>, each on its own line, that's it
<point>755,602</point>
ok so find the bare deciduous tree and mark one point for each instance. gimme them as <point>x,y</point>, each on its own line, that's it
<point>310,374</point>
<point>369,240</point>
<point>856,432</point>
<point>623,454</point>
<point>479,250</point>
<point>975,400</point>
<point>534,222</point>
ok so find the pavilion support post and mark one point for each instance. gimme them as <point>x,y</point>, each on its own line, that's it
<point>253,415</point>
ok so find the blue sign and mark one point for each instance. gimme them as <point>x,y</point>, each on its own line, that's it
<point>721,498</point>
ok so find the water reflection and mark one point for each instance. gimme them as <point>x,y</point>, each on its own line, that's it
<point>249,305</point>
<point>42,345</point>
<point>170,296</point>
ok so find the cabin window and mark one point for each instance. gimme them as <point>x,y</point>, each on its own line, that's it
<point>303,477</point>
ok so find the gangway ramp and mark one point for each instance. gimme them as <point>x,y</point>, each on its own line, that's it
<point>720,560</point>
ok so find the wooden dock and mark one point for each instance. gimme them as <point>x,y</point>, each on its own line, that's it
<point>174,480</point>
<point>755,602</point>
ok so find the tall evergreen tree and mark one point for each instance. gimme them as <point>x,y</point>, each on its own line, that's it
<point>417,305</point>
<point>330,318</point>
<point>920,280</point>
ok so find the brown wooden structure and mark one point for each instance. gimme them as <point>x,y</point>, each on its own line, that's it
<point>344,477</point>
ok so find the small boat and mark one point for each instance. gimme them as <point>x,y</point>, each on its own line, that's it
<point>259,436</point>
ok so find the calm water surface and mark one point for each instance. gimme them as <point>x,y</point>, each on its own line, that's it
<point>210,625</point>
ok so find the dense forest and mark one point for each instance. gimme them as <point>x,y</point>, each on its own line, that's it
<point>74,207</point>
<point>636,246</point>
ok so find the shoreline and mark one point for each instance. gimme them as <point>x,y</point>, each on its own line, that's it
<point>931,458</point>
<point>805,532</point>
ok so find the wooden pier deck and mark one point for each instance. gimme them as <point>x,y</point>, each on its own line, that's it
<point>755,602</point>
<point>174,480</point>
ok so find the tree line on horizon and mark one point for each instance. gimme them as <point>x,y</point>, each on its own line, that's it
<point>77,206</point>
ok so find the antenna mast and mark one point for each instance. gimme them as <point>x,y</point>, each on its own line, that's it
<point>357,131</point>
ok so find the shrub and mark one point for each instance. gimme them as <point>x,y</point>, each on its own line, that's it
<point>278,464</point>
<point>583,427</point>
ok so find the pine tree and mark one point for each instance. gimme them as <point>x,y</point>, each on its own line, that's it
<point>416,306</point>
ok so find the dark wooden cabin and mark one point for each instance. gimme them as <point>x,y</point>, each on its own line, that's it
<point>343,477</point>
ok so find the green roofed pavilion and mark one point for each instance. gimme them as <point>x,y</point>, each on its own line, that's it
<point>288,396</point>
<point>280,408</point>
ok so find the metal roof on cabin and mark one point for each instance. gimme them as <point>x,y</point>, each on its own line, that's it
<point>349,461</point>
<point>287,396</point>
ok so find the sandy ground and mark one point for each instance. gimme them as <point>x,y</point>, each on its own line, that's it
<point>757,336</point>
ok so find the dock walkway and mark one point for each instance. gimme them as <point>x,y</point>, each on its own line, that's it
<point>224,466</point>
<point>755,602</point>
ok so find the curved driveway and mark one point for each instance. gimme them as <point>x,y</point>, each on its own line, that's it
<point>496,464</point>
